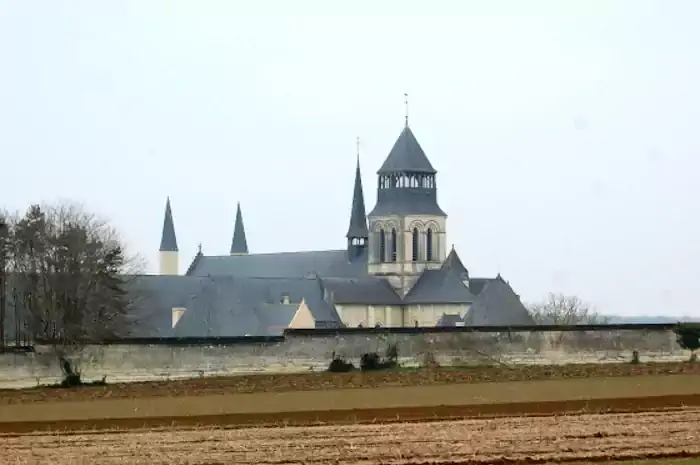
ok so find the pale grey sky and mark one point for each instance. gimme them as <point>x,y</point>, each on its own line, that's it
<point>565,133</point>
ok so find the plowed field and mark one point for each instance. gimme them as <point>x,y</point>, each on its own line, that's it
<point>439,401</point>
<point>555,438</point>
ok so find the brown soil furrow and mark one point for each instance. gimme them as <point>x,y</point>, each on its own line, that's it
<point>537,440</point>
<point>355,416</point>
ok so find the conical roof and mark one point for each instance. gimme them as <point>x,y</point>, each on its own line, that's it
<point>406,156</point>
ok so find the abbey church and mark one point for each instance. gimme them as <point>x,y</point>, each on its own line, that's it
<point>397,269</point>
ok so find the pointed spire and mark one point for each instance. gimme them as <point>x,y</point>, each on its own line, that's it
<point>358,217</point>
<point>239,245</point>
<point>168,241</point>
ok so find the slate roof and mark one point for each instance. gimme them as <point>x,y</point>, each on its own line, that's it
<point>368,291</point>
<point>358,216</point>
<point>406,156</point>
<point>239,244</point>
<point>407,201</point>
<point>224,305</point>
<point>439,286</point>
<point>234,306</point>
<point>331,263</point>
<point>274,318</point>
<point>154,298</point>
<point>168,241</point>
<point>454,263</point>
<point>497,305</point>
<point>476,285</point>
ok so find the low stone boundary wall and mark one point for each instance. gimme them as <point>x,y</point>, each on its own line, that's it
<point>306,353</point>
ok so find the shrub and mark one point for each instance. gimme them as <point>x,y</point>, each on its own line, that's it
<point>371,361</point>
<point>73,378</point>
<point>340,365</point>
<point>688,337</point>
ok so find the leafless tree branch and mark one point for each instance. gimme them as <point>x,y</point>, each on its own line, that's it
<point>560,309</point>
<point>69,275</point>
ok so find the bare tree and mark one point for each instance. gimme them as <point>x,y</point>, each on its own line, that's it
<point>560,309</point>
<point>70,278</point>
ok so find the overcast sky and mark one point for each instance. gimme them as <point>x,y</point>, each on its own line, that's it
<point>566,133</point>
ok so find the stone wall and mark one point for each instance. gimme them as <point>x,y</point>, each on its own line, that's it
<point>303,353</point>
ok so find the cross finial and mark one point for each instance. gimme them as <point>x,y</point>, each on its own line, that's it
<point>199,249</point>
<point>405,101</point>
<point>357,144</point>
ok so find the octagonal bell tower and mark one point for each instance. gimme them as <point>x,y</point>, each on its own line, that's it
<point>407,226</point>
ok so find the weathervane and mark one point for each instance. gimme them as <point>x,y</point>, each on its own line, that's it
<point>357,144</point>
<point>405,101</point>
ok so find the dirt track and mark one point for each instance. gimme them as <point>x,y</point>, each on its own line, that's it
<point>554,438</point>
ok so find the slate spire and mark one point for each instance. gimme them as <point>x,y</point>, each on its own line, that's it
<point>168,241</point>
<point>358,217</point>
<point>239,245</point>
<point>358,233</point>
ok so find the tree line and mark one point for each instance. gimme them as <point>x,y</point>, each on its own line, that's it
<point>63,277</point>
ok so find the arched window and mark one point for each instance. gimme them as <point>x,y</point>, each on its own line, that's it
<point>393,244</point>
<point>416,238</point>
<point>429,245</point>
<point>382,246</point>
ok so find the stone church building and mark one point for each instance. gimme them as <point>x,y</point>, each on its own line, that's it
<point>397,269</point>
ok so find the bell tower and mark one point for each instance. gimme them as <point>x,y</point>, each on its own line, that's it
<point>407,226</point>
